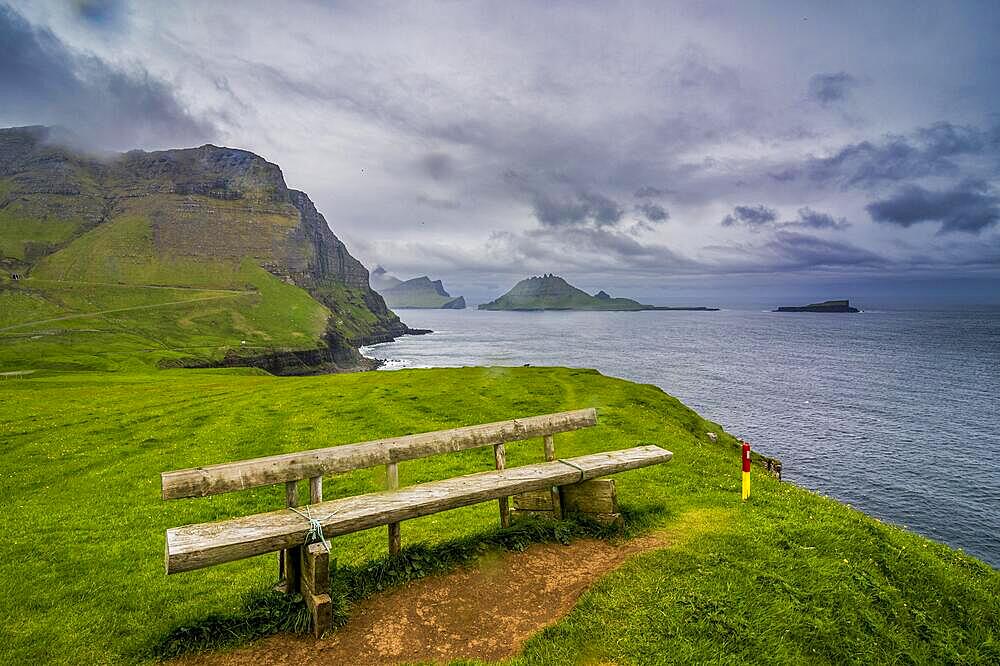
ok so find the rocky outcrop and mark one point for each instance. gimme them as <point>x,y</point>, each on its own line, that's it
<point>419,292</point>
<point>551,292</point>
<point>825,306</point>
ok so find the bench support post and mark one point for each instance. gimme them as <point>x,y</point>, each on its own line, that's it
<point>314,584</point>
<point>392,483</point>
<point>550,455</point>
<point>596,500</point>
<point>289,561</point>
<point>500,455</point>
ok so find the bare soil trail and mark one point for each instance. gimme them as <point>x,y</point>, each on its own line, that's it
<point>83,315</point>
<point>485,610</point>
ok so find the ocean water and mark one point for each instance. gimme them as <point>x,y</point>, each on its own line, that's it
<point>894,412</point>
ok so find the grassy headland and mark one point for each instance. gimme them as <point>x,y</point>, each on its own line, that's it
<point>788,577</point>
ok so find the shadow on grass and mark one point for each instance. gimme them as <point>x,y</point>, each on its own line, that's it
<point>265,612</point>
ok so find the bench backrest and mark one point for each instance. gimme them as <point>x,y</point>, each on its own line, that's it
<point>293,467</point>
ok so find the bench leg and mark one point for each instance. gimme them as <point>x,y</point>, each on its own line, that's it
<point>596,499</point>
<point>314,584</point>
<point>288,560</point>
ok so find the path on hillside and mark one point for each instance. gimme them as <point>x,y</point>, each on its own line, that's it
<point>83,315</point>
<point>486,610</point>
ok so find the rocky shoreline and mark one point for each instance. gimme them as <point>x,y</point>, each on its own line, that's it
<point>302,362</point>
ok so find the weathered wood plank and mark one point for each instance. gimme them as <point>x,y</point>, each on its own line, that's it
<point>500,456</point>
<point>289,569</point>
<point>392,483</point>
<point>315,569</point>
<point>197,546</point>
<point>549,442</point>
<point>315,489</point>
<point>321,611</point>
<point>227,477</point>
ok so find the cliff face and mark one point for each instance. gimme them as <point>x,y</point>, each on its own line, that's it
<point>419,292</point>
<point>211,207</point>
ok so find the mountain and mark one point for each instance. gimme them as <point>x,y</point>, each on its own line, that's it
<point>825,306</point>
<point>551,292</point>
<point>420,292</point>
<point>380,280</point>
<point>207,218</point>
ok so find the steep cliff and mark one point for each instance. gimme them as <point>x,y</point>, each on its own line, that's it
<point>419,292</point>
<point>184,218</point>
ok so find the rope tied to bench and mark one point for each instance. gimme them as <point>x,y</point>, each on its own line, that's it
<point>315,533</point>
<point>574,466</point>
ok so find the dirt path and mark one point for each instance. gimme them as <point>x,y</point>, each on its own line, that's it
<point>134,307</point>
<point>483,611</point>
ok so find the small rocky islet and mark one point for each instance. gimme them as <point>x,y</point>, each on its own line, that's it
<point>825,306</point>
<point>551,292</point>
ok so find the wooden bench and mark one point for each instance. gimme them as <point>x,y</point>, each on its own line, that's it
<point>300,534</point>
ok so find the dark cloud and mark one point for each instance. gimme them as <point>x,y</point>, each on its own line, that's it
<point>796,251</point>
<point>653,212</point>
<point>969,207</point>
<point>101,13</point>
<point>750,216</point>
<point>928,151</point>
<point>829,89</point>
<point>580,208</point>
<point>43,82</point>
<point>439,166</point>
<point>649,192</point>
<point>812,219</point>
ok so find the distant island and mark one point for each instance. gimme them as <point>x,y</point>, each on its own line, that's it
<point>551,292</point>
<point>420,292</point>
<point>825,306</point>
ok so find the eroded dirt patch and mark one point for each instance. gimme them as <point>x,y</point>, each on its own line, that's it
<point>486,610</point>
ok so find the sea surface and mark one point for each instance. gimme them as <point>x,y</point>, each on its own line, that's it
<point>895,412</point>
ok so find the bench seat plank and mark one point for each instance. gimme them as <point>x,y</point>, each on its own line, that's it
<point>206,544</point>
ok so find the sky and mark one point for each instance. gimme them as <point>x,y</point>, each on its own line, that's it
<point>735,152</point>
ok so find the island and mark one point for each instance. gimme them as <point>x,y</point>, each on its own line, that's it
<point>551,292</point>
<point>420,292</point>
<point>825,306</point>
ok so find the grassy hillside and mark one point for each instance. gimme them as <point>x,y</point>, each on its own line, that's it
<point>46,324</point>
<point>195,218</point>
<point>788,577</point>
<point>551,292</point>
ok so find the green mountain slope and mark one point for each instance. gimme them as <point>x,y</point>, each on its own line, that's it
<point>205,218</point>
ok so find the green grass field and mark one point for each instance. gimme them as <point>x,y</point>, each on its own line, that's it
<point>51,324</point>
<point>788,577</point>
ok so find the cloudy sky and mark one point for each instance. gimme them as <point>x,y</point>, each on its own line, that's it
<point>728,151</point>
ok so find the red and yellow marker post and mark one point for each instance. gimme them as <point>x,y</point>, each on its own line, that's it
<point>746,471</point>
